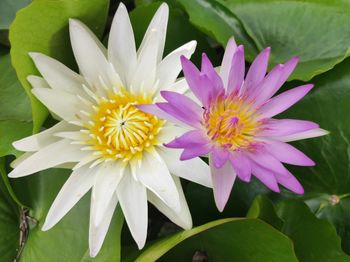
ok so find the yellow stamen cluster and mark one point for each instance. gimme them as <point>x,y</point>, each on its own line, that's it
<point>119,130</point>
<point>231,123</point>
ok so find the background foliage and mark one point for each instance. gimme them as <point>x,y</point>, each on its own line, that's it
<point>256,225</point>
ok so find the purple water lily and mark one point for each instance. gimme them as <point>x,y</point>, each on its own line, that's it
<point>234,123</point>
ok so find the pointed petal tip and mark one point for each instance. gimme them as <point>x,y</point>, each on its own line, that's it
<point>121,6</point>
<point>74,22</point>
<point>140,244</point>
<point>220,205</point>
<point>231,41</point>
<point>184,59</point>
<point>164,6</point>
<point>34,55</point>
<point>12,174</point>
<point>240,48</point>
<point>192,44</point>
<point>92,253</point>
<point>46,227</point>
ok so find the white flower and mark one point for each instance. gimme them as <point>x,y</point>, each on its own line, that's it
<point>117,150</point>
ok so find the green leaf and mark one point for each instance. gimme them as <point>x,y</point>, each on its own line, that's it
<point>314,239</point>
<point>9,224</point>
<point>179,31</point>
<point>224,240</point>
<point>14,102</point>
<point>111,248</point>
<point>43,27</point>
<point>12,130</point>
<point>219,23</point>
<point>327,105</point>
<point>238,204</point>
<point>8,9</point>
<point>15,111</point>
<point>68,240</point>
<point>315,30</point>
<point>309,233</point>
<point>264,209</point>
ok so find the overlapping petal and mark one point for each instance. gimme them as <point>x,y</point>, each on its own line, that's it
<point>235,127</point>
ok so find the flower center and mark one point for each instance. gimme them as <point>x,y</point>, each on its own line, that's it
<point>119,130</point>
<point>230,122</point>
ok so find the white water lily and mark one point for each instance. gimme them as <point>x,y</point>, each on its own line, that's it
<point>114,148</point>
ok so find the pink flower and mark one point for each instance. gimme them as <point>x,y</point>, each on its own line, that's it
<point>234,123</point>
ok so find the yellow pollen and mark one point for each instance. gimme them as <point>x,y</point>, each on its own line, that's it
<point>230,122</point>
<point>119,130</point>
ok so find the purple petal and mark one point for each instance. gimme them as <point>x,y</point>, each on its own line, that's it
<point>219,157</point>
<point>183,102</point>
<point>237,70</point>
<point>257,70</point>
<point>223,179</point>
<point>189,139</point>
<point>303,135</point>
<point>283,127</point>
<point>268,86</point>
<point>156,111</point>
<point>227,60</point>
<point>242,166</point>
<point>287,153</point>
<point>195,151</point>
<point>283,101</point>
<point>291,183</point>
<point>189,118</point>
<point>265,176</point>
<point>208,69</point>
<point>288,68</point>
<point>267,161</point>
<point>199,83</point>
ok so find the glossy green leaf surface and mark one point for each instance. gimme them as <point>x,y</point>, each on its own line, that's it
<point>15,114</point>
<point>314,30</point>
<point>218,22</point>
<point>314,239</point>
<point>244,240</point>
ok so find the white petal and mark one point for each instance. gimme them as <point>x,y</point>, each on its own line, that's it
<point>194,169</point>
<point>154,174</point>
<point>170,132</point>
<point>97,233</point>
<point>50,156</point>
<point>61,103</point>
<point>181,218</point>
<point>77,185</point>
<point>133,201</point>
<point>170,67</point>
<point>107,179</point>
<point>73,135</point>
<point>42,139</point>
<point>90,55</point>
<point>303,135</point>
<point>145,72</point>
<point>121,45</point>
<point>180,86</point>
<point>159,24</point>
<point>58,75</point>
<point>37,82</point>
<point>20,159</point>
